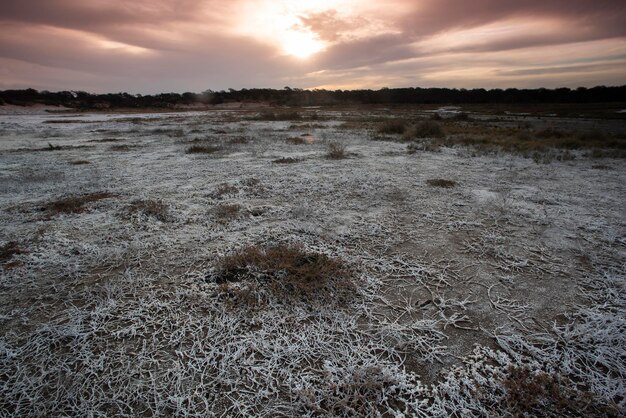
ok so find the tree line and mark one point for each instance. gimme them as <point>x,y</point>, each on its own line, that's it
<point>300,97</point>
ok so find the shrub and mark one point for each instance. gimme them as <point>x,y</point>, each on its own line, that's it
<point>461,117</point>
<point>287,160</point>
<point>296,140</point>
<point>203,149</point>
<point>75,204</point>
<point>529,393</point>
<point>8,250</point>
<point>287,273</point>
<point>124,147</point>
<point>446,184</point>
<point>425,129</point>
<point>228,212</point>
<point>153,208</point>
<point>393,126</point>
<point>225,189</point>
<point>336,151</point>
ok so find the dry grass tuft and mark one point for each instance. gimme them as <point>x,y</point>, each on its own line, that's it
<point>51,147</point>
<point>393,126</point>
<point>7,251</point>
<point>287,273</point>
<point>239,140</point>
<point>336,151</point>
<point>227,213</point>
<point>203,149</point>
<point>225,189</point>
<point>278,116</point>
<point>75,204</point>
<point>529,393</point>
<point>153,208</point>
<point>296,140</point>
<point>446,184</point>
<point>287,160</point>
<point>124,147</point>
<point>424,129</point>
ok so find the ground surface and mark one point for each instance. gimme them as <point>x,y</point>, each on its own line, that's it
<point>110,304</point>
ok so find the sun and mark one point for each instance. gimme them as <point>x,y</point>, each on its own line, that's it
<point>301,44</point>
<point>278,23</point>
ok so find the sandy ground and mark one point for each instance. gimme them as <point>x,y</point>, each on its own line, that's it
<point>107,312</point>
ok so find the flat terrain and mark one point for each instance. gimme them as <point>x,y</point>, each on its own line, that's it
<point>312,263</point>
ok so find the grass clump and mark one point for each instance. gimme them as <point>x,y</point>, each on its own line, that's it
<point>151,208</point>
<point>287,160</point>
<point>52,147</point>
<point>296,140</point>
<point>75,204</point>
<point>286,273</point>
<point>278,116</point>
<point>529,393</point>
<point>227,213</point>
<point>393,127</point>
<point>203,149</point>
<point>124,147</point>
<point>7,251</point>
<point>336,151</point>
<point>443,183</point>
<point>424,129</point>
<point>225,189</point>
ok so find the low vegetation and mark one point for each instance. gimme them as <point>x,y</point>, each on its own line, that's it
<point>287,160</point>
<point>443,183</point>
<point>228,212</point>
<point>75,204</point>
<point>277,116</point>
<point>288,273</point>
<point>152,208</point>
<point>203,149</point>
<point>336,151</point>
<point>8,250</point>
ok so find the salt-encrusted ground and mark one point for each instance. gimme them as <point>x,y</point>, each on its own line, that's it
<point>109,311</point>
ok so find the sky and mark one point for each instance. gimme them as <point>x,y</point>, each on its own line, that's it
<point>152,46</point>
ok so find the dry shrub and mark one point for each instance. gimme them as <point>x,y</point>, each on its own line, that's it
<point>51,147</point>
<point>425,129</point>
<point>8,250</point>
<point>278,116</point>
<point>446,184</point>
<point>287,273</point>
<point>551,133</point>
<point>461,117</point>
<point>240,140</point>
<point>529,393</point>
<point>429,146</point>
<point>227,213</point>
<point>393,126</point>
<point>124,147</point>
<point>601,167</point>
<point>287,160</point>
<point>336,151</point>
<point>75,204</point>
<point>296,140</point>
<point>359,392</point>
<point>203,149</point>
<point>225,189</point>
<point>153,208</point>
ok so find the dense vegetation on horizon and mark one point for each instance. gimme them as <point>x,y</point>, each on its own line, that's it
<point>299,97</point>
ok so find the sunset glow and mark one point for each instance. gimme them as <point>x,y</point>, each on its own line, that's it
<point>159,45</point>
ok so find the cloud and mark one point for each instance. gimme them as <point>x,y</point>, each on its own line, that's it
<point>176,45</point>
